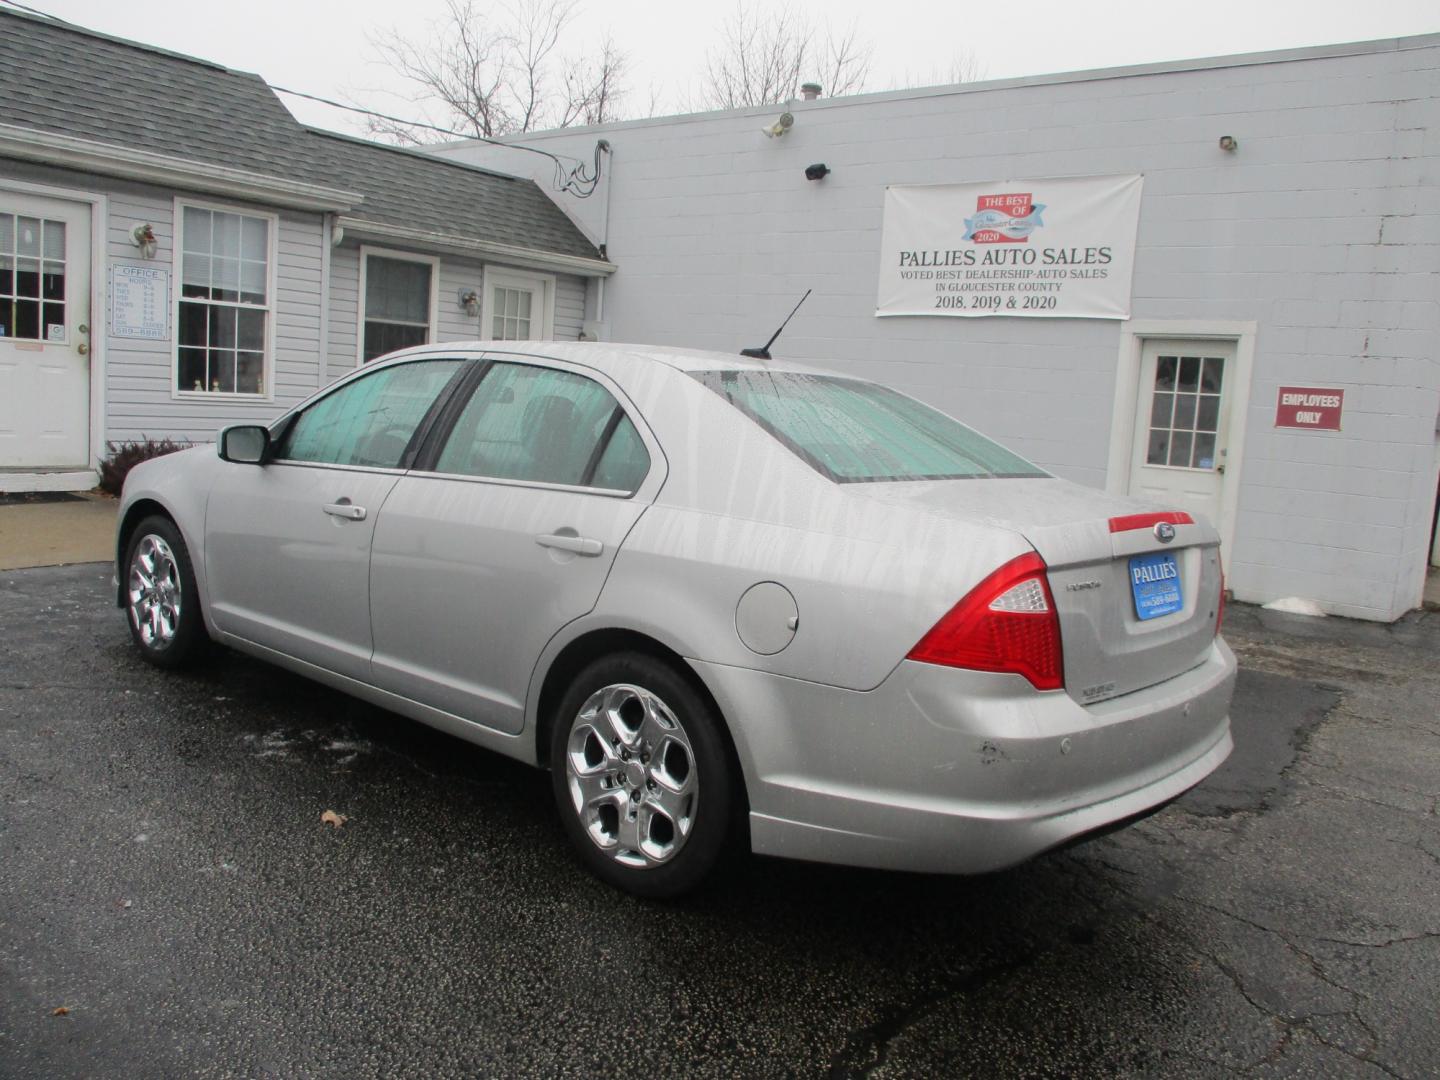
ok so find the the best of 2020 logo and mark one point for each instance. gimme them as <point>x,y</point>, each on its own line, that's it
<point>1004,219</point>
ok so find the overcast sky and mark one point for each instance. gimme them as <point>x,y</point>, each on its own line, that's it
<point>323,48</point>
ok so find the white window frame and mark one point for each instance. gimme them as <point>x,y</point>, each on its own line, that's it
<point>432,331</point>
<point>505,278</point>
<point>177,277</point>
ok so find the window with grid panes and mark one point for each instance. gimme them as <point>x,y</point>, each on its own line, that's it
<point>512,313</point>
<point>224,304</point>
<point>32,278</point>
<point>1185,411</point>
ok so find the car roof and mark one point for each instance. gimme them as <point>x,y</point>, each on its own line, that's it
<point>617,359</point>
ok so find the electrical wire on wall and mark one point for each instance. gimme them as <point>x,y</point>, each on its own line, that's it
<point>572,175</point>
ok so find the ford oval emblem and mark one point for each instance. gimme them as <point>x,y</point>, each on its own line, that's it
<point>1164,532</point>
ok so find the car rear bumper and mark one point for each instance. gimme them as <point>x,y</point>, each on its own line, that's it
<point>953,771</point>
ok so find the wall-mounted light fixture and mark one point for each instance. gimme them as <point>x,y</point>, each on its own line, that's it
<point>143,237</point>
<point>469,301</point>
<point>817,171</point>
<point>780,126</point>
<point>1228,143</point>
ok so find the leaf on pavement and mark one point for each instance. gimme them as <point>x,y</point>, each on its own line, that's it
<point>61,1011</point>
<point>330,817</point>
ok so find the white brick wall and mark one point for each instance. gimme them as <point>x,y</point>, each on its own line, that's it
<point>1323,229</point>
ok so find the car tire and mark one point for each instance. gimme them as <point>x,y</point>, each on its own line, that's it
<point>642,776</point>
<point>162,600</point>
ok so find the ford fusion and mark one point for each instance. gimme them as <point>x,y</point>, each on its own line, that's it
<point>722,601</point>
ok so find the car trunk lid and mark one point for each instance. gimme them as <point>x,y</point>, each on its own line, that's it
<point>1135,609</point>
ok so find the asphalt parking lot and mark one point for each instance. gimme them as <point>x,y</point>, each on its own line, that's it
<point>166,880</point>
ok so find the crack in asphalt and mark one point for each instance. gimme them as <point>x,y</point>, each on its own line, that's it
<point>865,1050</point>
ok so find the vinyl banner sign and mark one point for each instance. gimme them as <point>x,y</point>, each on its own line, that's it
<point>1044,248</point>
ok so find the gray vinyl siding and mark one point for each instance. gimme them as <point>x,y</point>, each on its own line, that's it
<point>569,307</point>
<point>452,324</point>
<point>344,310</point>
<point>139,374</point>
<point>139,399</point>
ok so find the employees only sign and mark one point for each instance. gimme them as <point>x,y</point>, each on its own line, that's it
<point>1315,407</point>
<point>1060,248</point>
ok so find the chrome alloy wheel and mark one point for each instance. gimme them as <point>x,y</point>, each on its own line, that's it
<point>631,775</point>
<point>154,592</point>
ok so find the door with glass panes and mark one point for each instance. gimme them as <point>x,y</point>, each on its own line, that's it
<point>44,333</point>
<point>1182,420</point>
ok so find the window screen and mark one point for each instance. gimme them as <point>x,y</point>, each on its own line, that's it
<point>539,424</point>
<point>854,432</point>
<point>397,305</point>
<point>369,421</point>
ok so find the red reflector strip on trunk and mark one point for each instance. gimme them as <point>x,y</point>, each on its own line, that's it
<point>1149,521</point>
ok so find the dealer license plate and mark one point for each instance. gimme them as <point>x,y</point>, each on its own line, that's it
<point>1155,584</point>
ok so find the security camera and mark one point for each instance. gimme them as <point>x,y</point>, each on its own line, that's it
<point>782,125</point>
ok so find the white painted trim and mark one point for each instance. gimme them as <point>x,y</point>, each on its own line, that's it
<point>79,480</point>
<point>271,300</point>
<point>99,336</point>
<point>31,144</point>
<point>432,332</point>
<point>1133,336</point>
<point>485,249</point>
<point>505,277</point>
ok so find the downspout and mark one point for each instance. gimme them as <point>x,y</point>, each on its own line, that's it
<point>327,234</point>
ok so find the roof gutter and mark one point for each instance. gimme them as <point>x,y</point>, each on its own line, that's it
<point>110,159</point>
<point>364,228</point>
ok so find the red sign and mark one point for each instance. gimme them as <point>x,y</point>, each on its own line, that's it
<point>1313,407</point>
<point>1008,215</point>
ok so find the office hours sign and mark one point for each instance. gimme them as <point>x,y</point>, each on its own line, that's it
<point>1061,248</point>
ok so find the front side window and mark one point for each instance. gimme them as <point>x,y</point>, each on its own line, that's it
<point>32,278</point>
<point>854,432</point>
<point>224,304</point>
<point>546,426</point>
<point>369,421</point>
<point>397,304</point>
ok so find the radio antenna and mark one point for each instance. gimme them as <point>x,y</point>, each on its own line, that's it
<point>763,353</point>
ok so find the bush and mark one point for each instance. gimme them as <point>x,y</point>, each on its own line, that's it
<point>120,458</point>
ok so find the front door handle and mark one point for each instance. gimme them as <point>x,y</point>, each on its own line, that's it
<point>345,509</point>
<point>580,545</point>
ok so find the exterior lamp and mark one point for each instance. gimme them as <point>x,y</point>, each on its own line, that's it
<point>143,236</point>
<point>469,302</point>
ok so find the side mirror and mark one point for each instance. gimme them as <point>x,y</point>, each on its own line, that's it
<point>244,444</point>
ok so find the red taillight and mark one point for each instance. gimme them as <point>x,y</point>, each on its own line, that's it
<point>1006,623</point>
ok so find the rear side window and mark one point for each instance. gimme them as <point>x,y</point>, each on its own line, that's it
<point>371,420</point>
<point>857,432</point>
<point>525,422</point>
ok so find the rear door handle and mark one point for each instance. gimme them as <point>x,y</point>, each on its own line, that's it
<point>345,509</point>
<point>580,545</point>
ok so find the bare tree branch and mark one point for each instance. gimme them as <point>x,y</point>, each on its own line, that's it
<point>491,72</point>
<point>763,60</point>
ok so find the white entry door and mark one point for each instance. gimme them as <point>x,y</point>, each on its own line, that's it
<point>44,333</point>
<point>1182,421</point>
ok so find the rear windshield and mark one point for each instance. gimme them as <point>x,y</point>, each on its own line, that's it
<point>858,432</point>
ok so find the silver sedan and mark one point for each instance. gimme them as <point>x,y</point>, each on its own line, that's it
<point>724,602</point>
